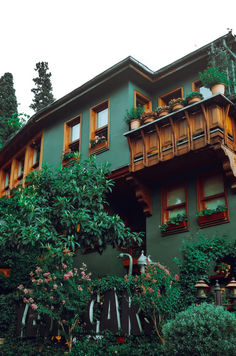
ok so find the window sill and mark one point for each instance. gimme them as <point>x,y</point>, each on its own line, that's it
<point>175,228</point>
<point>213,219</point>
<point>99,148</point>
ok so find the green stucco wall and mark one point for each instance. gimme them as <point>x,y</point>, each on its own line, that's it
<point>165,248</point>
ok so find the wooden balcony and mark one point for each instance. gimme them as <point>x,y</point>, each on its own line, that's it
<point>197,126</point>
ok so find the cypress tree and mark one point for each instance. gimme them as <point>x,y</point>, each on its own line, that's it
<point>43,91</point>
<point>9,121</point>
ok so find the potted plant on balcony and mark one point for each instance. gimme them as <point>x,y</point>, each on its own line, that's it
<point>193,97</point>
<point>68,155</point>
<point>176,104</point>
<point>133,117</point>
<point>97,140</point>
<point>214,79</point>
<point>149,116</point>
<point>208,216</point>
<point>162,110</point>
<point>177,223</point>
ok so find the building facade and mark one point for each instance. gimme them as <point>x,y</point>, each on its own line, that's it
<point>178,164</point>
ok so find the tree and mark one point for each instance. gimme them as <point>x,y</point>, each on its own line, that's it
<point>8,102</point>
<point>10,122</point>
<point>43,92</point>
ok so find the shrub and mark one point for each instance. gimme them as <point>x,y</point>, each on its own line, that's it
<point>201,330</point>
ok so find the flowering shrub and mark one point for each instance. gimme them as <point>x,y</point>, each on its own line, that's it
<point>157,294</point>
<point>62,294</point>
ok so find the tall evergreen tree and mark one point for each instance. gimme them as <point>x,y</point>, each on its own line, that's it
<point>43,91</point>
<point>8,102</point>
<point>9,120</point>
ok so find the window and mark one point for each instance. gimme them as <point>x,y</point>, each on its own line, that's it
<point>163,100</point>
<point>5,180</point>
<point>34,154</point>
<point>211,195</point>
<point>197,86</point>
<point>141,100</point>
<point>174,203</point>
<point>99,127</point>
<point>72,135</point>
<point>19,165</point>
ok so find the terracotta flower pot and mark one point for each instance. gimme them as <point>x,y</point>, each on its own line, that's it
<point>135,124</point>
<point>177,107</point>
<point>218,88</point>
<point>193,100</point>
<point>163,113</point>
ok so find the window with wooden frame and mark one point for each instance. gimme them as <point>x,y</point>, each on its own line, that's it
<point>72,135</point>
<point>99,127</point>
<point>164,99</point>
<point>18,169</point>
<point>5,183</point>
<point>197,86</point>
<point>174,205</point>
<point>212,199</point>
<point>141,100</point>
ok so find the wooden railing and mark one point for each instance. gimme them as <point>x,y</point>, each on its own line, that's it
<point>191,128</point>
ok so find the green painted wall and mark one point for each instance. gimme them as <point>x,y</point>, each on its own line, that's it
<point>165,248</point>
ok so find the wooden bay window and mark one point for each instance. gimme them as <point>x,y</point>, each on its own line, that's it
<point>164,99</point>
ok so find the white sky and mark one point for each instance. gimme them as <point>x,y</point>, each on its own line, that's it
<point>81,38</point>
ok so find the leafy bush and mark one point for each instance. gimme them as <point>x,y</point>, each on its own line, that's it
<point>201,330</point>
<point>7,312</point>
<point>134,114</point>
<point>212,76</point>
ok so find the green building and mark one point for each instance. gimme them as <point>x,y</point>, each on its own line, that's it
<point>168,169</point>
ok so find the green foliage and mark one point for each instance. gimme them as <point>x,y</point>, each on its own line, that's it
<point>160,109</point>
<point>175,220</point>
<point>193,94</point>
<point>157,295</point>
<point>97,140</point>
<point>107,345</point>
<point>211,211</point>
<point>7,312</point>
<point>68,155</point>
<point>10,125</point>
<point>212,76</point>
<point>197,260</point>
<point>63,208</point>
<point>201,330</point>
<point>134,114</point>
<point>43,91</point>
<point>8,102</point>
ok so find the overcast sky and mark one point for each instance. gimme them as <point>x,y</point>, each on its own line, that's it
<point>81,38</point>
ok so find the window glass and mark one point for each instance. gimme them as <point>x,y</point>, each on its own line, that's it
<point>213,185</point>
<point>102,118</point>
<point>21,167</point>
<point>175,196</point>
<point>75,132</point>
<point>7,178</point>
<point>174,212</point>
<point>36,155</point>
<point>214,203</point>
<point>205,92</point>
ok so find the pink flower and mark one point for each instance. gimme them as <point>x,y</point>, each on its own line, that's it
<point>34,306</point>
<point>55,286</point>
<point>52,307</point>
<point>31,300</point>
<point>176,278</point>
<point>80,288</point>
<point>63,302</point>
<point>25,300</point>
<point>51,297</point>
<point>64,265</point>
<point>66,276</point>
<point>38,270</point>
<point>20,287</point>
<point>25,291</point>
<point>46,274</point>
<point>31,274</point>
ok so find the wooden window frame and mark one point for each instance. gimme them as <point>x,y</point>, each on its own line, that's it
<point>147,102</point>
<point>161,100</point>
<point>67,134</point>
<point>5,190</point>
<point>18,179</point>
<point>201,200</point>
<point>94,131</point>
<point>165,209</point>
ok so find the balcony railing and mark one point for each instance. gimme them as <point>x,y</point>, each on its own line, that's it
<point>191,128</point>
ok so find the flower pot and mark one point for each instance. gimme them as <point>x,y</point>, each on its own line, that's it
<point>208,219</point>
<point>163,113</point>
<point>177,107</point>
<point>194,100</point>
<point>218,88</point>
<point>135,124</point>
<point>148,119</point>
